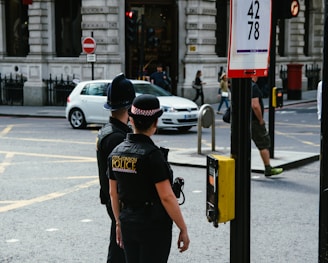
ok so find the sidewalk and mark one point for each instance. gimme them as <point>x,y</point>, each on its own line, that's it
<point>190,157</point>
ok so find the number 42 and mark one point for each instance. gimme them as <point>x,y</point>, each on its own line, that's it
<point>253,13</point>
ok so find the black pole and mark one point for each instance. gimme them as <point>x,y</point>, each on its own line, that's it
<point>323,202</point>
<point>241,152</point>
<point>92,64</point>
<point>142,47</point>
<point>272,79</point>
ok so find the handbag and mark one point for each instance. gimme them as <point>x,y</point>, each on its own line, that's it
<point>225,94</point>
<point>195,86</point>
<point>226,115</point>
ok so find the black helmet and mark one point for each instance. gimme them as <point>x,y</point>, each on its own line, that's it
<point>120,93</point>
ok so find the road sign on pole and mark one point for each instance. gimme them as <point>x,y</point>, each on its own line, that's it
<point>89,45</point>
<point>250,27</point>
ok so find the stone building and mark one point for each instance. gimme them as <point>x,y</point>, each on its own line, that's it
<point>42,38</point>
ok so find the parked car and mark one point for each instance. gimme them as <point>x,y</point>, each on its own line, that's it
<point>85,105</point>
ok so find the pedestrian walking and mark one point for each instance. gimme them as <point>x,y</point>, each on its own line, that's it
<point>198,86</point>
<point>120,95</point>
<point>223,92</point>
<point>143,201</point>
<point>260,135</point>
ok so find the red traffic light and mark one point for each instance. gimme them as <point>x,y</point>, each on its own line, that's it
<point>131,14</point>
<point>286,8</point>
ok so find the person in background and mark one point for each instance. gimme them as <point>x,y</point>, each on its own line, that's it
<point>223,92</point>
<point>260,135</point>
<point>120,95</point>
<point>160,78</point>
<point>200,83</point>
<point>144,203</point>
<point>319,99</point>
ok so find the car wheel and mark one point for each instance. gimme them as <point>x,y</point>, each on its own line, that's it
<point>184,128</point>
<point>76,119</point>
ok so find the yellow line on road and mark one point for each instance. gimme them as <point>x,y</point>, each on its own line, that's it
<point>47,140</point>
<point>90,159</point>
<point>6,130</point>
<point>43,198</point>
<point>6,162</point>
<point>296,139</point>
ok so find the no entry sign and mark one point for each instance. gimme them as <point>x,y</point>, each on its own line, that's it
<point>89,45</point>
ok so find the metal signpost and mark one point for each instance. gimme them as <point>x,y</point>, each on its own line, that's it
<point>89,47</point>
<point>323,205</point>
<point>250,27</point>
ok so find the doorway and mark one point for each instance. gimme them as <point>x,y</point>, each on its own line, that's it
<point>155,42</point>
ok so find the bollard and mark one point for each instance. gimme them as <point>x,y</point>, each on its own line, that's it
<point>206,119</point>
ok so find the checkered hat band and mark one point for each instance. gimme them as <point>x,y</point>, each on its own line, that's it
<point>141,112</point>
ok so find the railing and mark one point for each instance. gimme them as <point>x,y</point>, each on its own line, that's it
<point>313,74</point>
<point>59,89</point>
<point>11,89</point>
<point>283,76</point>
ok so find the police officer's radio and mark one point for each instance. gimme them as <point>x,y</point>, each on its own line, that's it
<point>177,187</point>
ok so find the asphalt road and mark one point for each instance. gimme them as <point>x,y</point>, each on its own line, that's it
<point>50,210</point>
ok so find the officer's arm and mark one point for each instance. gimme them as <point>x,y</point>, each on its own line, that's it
<point>171,206</point>
<point>116,209</point>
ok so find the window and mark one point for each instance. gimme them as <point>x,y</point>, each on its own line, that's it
<point>68,28</point>
<point>221,30</point>
<point>16,28</point>
<point>95,89</point>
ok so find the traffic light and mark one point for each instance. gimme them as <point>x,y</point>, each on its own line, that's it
<point>131,25</point>
<point>277,97</point>
<point>152,40</point>
<point>286,8</point>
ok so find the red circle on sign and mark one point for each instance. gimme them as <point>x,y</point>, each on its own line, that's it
<point>89,45</point>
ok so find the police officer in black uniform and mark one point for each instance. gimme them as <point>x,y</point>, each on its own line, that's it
<point>120,95</point>
<point>143,202</point>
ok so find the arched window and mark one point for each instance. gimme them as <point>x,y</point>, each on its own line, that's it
<point>68,28</point>
<point>16,28</point>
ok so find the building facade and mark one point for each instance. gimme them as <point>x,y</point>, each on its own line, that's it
<point>41,39</point>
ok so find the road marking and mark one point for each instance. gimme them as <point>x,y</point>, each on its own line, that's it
<point>45,140</point>
<point>6,130</point>
<point>7,161</point>
<point>13,240</point>
<point>52,229</point>
<point>89,159</point>
<point>43,198</point>
<point>86,220</point>
<point>297,139</point>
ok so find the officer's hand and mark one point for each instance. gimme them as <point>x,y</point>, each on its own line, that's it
<point>119,239</point>
<point>183,241</point>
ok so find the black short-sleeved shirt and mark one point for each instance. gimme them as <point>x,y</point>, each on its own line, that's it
<point>256,93</point>
<point>104,148</point>
<point>138,164</point>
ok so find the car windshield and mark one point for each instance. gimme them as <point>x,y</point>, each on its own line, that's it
<point>149,88</point>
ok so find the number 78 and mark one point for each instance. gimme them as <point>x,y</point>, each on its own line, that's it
<point>256,26</point>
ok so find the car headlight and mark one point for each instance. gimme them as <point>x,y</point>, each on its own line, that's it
<point>168,109</point>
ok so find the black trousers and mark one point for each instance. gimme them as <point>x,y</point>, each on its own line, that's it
<point>199,93</point>
<point>115,253</point>
<point>147,243</point>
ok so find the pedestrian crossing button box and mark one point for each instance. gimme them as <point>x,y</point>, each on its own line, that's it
<point>220,189</point>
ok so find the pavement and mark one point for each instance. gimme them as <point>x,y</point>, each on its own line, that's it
<point>189,156</point>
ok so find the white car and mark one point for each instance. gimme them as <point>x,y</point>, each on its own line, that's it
<point>85,105</point>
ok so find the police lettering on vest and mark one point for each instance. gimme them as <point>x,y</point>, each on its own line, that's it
<point>124,164</point>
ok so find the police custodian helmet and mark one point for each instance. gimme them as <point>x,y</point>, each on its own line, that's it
<point>145,107</point>
<point>120,93</point>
